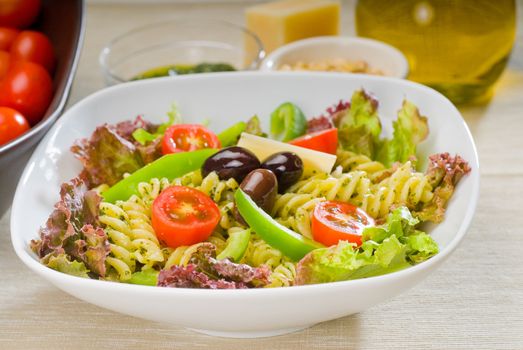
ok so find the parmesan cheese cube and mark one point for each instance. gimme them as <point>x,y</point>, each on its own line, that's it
<point>281,22</point>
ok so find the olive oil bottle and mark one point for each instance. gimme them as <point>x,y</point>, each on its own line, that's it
<point>459,47</point>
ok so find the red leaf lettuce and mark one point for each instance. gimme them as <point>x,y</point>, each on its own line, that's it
<point>205,271</point>
<point>72,235</point>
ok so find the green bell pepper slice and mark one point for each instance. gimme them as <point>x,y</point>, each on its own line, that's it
<point>288,122</point>
<point>290,243</point>
<point>145,278</point>
<point>230,136</point>
<point>169,166</point>
<point>237,244</point>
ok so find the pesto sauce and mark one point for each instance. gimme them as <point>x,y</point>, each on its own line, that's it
<point>182,69</point>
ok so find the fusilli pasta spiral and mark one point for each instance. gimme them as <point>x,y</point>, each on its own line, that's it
<point>260,253</point>
<point>182,255</point>
<point>131,237</point>
<point>350,161</point>
<point>404,187</point>
<point>148,191</point>
<point>283,275</point>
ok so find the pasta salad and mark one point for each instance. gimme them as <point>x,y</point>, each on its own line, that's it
<point>314,200</point>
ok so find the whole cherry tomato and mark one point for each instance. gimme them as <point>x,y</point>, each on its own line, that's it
<point>5,59</point>
<point>28,88</point>
<point>18,13</point>
<point>12,124</point>
<point>33,47</point>
<point>7,36</point>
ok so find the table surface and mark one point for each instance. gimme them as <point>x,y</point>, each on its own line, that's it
<point>474,301</point>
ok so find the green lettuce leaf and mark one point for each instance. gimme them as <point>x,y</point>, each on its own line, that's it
<point>144,136</point>
<point>402,224</point>
<point>409,130</point>
<point>420,247</point>
<point>254,127</point>
<point>399,223</point>
<point>359,130</point>
<point>359,127</point>
<point>174,118</point>
<point>345,262</point>
<point>61,262</point>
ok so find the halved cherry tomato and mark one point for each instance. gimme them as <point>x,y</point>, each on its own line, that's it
<point>188,137</point>
<point>334,221</point>
<point>7,36</point>
<point>5,59</point>
<point>323,141</point>
<point>28,88</point>
<point>33,47</point>
<point>12,124</point>
<point>183,216</point>
<point>18,13</point>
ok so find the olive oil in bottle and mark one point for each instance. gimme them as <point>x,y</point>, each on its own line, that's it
<point>459,47</point>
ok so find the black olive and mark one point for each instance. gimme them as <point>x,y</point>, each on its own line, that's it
<point>261,185</point>
<point>229,162</point>
<point>287,167</point>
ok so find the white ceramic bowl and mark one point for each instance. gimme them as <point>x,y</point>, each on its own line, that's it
<point>376,53</point>
<point>225,98</point>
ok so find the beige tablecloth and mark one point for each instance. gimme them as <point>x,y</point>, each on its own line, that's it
<point>475,301</point>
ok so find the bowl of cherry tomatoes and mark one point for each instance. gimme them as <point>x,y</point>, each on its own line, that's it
<point>40,43</point>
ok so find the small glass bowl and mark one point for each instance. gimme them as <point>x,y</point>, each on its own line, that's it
<point>184,42</point>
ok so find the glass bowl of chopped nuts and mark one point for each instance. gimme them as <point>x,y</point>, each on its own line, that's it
<point>338,54</point>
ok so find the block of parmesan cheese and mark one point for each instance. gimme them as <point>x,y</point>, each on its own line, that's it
<point>281,22</point>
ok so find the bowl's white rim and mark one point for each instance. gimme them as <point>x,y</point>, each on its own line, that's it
<point>21,247</point>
